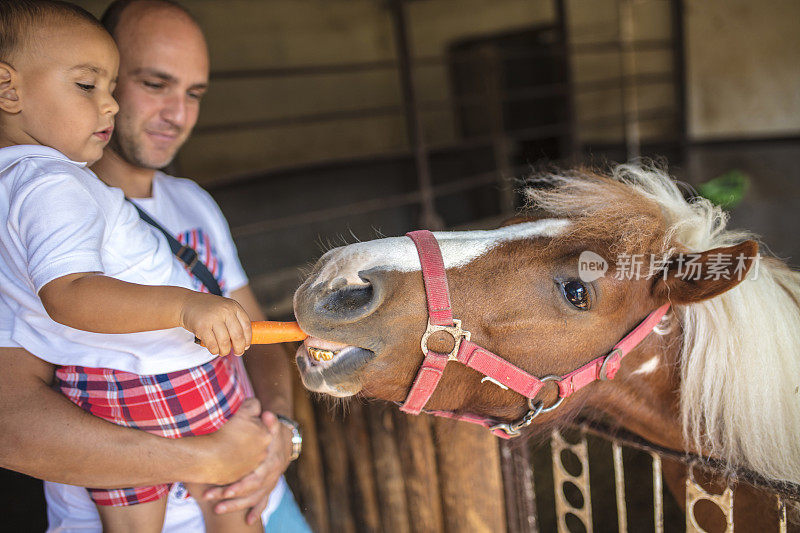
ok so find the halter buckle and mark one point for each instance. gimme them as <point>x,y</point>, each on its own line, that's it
<point>455,330</point>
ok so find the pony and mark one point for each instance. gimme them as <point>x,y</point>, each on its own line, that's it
<point>590,258</point>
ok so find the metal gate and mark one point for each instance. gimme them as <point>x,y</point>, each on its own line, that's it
<point>721,496</point>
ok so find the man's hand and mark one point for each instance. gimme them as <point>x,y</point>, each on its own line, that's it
<point>244,443</point>
<point>252,491</point>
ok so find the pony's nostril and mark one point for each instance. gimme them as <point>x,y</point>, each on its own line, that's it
<point>348,299</point>
<point>338,283</point>
<point>364,275</point>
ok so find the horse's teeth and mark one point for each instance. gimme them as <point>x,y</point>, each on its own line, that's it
<point>320,355</point>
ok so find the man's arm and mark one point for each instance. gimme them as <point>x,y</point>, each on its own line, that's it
<point>44,435</point>
<point>269,370</point>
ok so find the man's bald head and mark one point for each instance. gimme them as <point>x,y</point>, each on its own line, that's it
<point>163,74</point>
<point>113,13</point>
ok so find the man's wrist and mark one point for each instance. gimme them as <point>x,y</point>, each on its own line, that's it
<point>193,459</point>
<point>202,460</point>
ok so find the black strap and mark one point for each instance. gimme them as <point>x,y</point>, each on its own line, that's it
<point>186,254</point>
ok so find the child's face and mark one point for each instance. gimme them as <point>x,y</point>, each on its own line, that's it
<point>66,80</point>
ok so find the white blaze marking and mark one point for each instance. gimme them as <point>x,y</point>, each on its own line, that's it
<point>647,367</point>
<point>459,248</point>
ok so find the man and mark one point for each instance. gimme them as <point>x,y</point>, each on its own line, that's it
<point>163,75</point>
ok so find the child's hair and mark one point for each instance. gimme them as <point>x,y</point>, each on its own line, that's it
<point>19,17</point>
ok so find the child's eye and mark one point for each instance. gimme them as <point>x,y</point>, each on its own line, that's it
<point>85,86</point>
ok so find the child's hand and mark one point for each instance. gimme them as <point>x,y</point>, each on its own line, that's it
<point>220,323</point>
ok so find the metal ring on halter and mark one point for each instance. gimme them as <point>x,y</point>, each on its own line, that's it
<point>534,410</point>
<point>454,330</point>
<point>603,376</point>
<point>560,398</point>
<point>512,428</point>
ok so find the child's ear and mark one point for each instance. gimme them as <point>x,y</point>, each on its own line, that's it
<point>9,94</point>
<point>693,277</point>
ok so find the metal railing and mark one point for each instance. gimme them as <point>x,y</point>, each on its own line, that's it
<point>563,479</point>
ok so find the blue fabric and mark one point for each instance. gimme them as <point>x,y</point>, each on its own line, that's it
<point>287,517</point>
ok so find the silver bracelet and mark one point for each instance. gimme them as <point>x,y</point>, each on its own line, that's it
<point>297,436</point>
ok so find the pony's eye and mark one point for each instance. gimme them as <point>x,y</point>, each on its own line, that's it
<point>576,293</point>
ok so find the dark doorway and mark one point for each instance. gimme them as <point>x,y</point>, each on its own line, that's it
<point>513,85</point>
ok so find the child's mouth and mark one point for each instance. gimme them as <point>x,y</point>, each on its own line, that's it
<point>104,135</point>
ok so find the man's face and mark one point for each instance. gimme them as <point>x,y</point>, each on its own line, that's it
<point>163,75</point>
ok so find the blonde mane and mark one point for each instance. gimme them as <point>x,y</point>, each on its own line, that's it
<point>740,358</point>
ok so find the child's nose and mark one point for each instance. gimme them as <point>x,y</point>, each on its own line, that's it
<point>110,106</point>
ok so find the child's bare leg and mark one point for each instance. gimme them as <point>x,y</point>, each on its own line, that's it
<point>141,517</point>
<point>233,522</point>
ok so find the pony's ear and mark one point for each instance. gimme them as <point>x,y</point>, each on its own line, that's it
<point>693,277</point>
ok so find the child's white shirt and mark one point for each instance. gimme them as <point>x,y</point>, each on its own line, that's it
<point>61,219</point>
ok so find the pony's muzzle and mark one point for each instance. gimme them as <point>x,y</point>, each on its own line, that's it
<point>335,303</point>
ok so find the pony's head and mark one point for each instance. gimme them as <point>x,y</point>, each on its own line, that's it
<point>548,291</point>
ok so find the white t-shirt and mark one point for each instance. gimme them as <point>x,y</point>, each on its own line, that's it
<point>6,324</point>
<point>190,214</point>
<point>61,219</point>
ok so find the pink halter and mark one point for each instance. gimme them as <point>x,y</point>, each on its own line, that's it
<point>496,369</point>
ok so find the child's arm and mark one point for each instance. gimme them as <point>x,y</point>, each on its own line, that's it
<point>93,302</point>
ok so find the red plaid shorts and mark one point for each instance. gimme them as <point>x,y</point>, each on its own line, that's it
<point>178,404</point>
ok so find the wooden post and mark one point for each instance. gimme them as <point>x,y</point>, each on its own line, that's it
<point>501,144</point>
<point>520,498</point>
<point>429,218</point>
<point>470,479</point>
<point>337,470</point>
<point>418,458</point>
<point>388,470</point>
<point>359,449</point>
<point>309,482</point>
<point>570,149</point>
<point>628,88</point>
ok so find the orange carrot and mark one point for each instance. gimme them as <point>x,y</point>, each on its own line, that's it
<point>268,332</point>
<point>274,332</point>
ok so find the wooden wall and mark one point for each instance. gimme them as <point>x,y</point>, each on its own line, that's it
<point>367,467</point>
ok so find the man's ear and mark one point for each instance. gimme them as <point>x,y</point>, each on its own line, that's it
<point>693,277</point>
<point>9,91</point>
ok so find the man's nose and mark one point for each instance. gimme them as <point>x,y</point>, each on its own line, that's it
<point>174,110</point>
